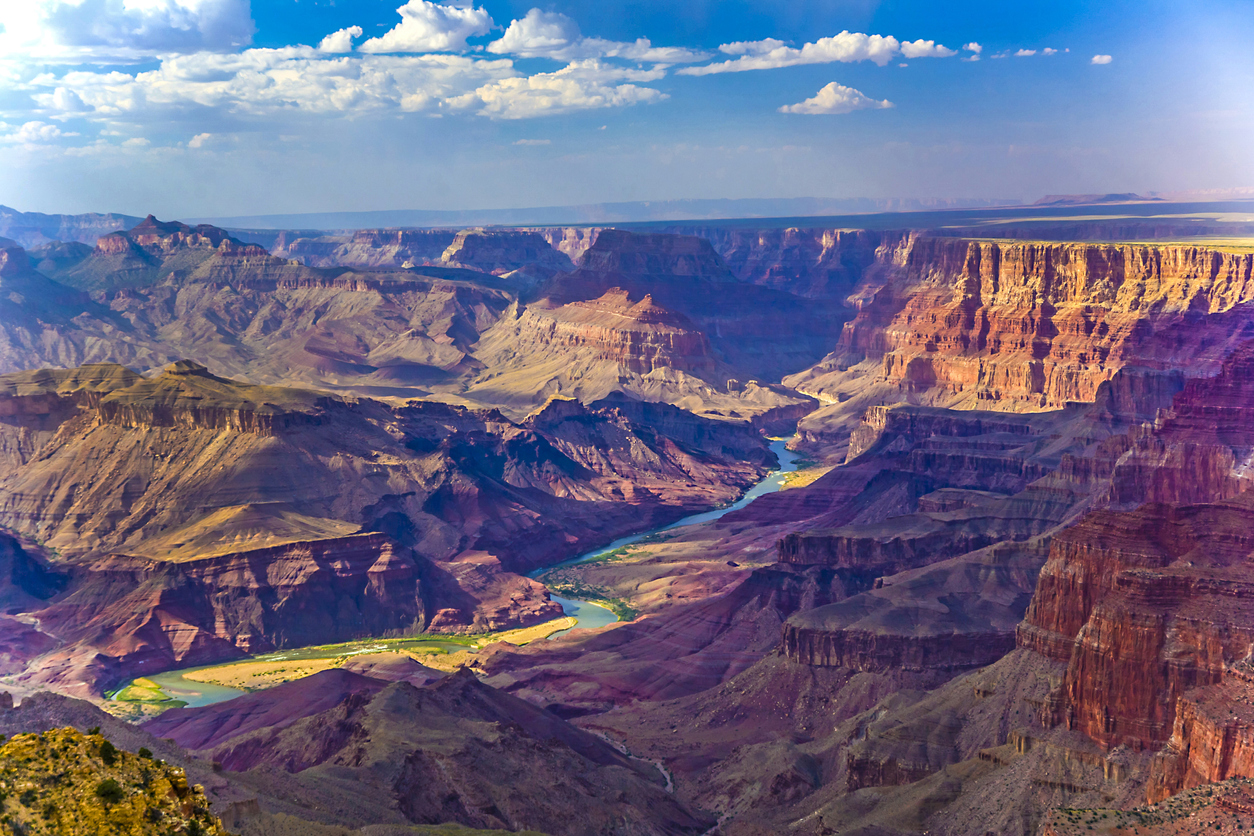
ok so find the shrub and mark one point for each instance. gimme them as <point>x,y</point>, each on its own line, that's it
<point>108,753</point>
<point>109,791</point>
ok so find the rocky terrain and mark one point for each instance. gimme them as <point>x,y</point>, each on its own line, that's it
<point>1007,592</point>
<point>220,517</point>
<point>63,782</point>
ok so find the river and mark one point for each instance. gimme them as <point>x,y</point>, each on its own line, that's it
<point>587,614</point>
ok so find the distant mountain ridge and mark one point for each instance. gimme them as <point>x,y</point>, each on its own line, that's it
<point>600,213</point>
<point>34,229</point>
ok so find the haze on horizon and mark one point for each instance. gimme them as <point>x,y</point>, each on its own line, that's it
<point>203,108</point>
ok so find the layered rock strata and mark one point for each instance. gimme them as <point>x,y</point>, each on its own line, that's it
<point>1032,325</point>
<point>216,515</point>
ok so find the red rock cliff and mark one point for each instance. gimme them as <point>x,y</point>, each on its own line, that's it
<point>1034,325</point>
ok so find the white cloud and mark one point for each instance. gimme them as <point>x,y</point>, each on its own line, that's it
<point>1049,51</point>
<point>199,140</point>
<point>973,47</point>
<point>67,101</point>
<point>836,98</point>
<point>534,142</point>
<point>847,47</point>
<point>751,47</point>
<point>121,30</point>
<point>582,85</point>
<point>35,133</point>
<point>341,41</point>
<point>431,27</point>
<point>271,82</point>
<point>926,49</point>
<point>553,35</point>
<point>136,142</point>
<point>213,88</point>
<point>1024,53</point>
<point>1102,59</point>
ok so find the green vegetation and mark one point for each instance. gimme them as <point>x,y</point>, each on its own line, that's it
<point>143,692</point>
<point>574,588</point>
<point>146,697</point>
<point>66,783</point>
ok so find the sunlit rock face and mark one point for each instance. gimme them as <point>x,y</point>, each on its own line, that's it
<point>1011,325</point>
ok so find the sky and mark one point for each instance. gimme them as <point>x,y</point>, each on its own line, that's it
<point>201,108</point>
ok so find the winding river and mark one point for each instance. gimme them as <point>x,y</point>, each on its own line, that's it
<point>587,614</point>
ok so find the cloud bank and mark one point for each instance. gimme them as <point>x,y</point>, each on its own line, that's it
<point>846,47</point>
<point>92,31</point>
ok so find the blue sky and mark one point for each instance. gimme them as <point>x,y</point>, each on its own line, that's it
<point>222,107</point>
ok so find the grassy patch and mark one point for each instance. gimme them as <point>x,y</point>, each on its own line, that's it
<point>575,588</point>
<point>144,690</point>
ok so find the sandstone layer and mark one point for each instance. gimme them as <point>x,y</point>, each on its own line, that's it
<point>199,517</point>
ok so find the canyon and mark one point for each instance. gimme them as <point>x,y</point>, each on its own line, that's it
<point>1007,591</point>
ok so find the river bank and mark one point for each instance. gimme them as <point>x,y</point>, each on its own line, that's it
<point>201,686</point>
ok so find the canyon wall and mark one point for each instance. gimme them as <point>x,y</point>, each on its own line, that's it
<point>1032,325</point>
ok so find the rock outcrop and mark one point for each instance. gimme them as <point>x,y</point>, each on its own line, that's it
<point>504,251</point>
<point>1032,325</point>
<point>140,615</point>
<point>1143,606</point>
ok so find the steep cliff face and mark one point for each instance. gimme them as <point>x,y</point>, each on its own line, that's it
<point>640,336</point>
<point>761,332</point>
<point>1212,739</point>
<point>811,262</point>
<point>500,252</point>
<point>155,251</point>
<point>365,247</point>
<point>616,343</point>
<point>142,616</point>
<point>1143,606</point>
<point>950,513</point>
<point>1032,325</point>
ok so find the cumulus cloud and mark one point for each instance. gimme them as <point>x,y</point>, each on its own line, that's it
<point>66,100</point>
<point>35,133</point>
<point>847,47</point>
<point>582,85</point>
<point>973,47</point>
<point>1049,51</point>
<point>834,99</point>
<point>1025,53</point>
<point>926,49</point>
<point>199,140</point>
<point>431,27</point>
<point>1102,59</point>
<point>121,30</point>
<point>270,82</point>
<point>341,41</point>
<point>540,34</point>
